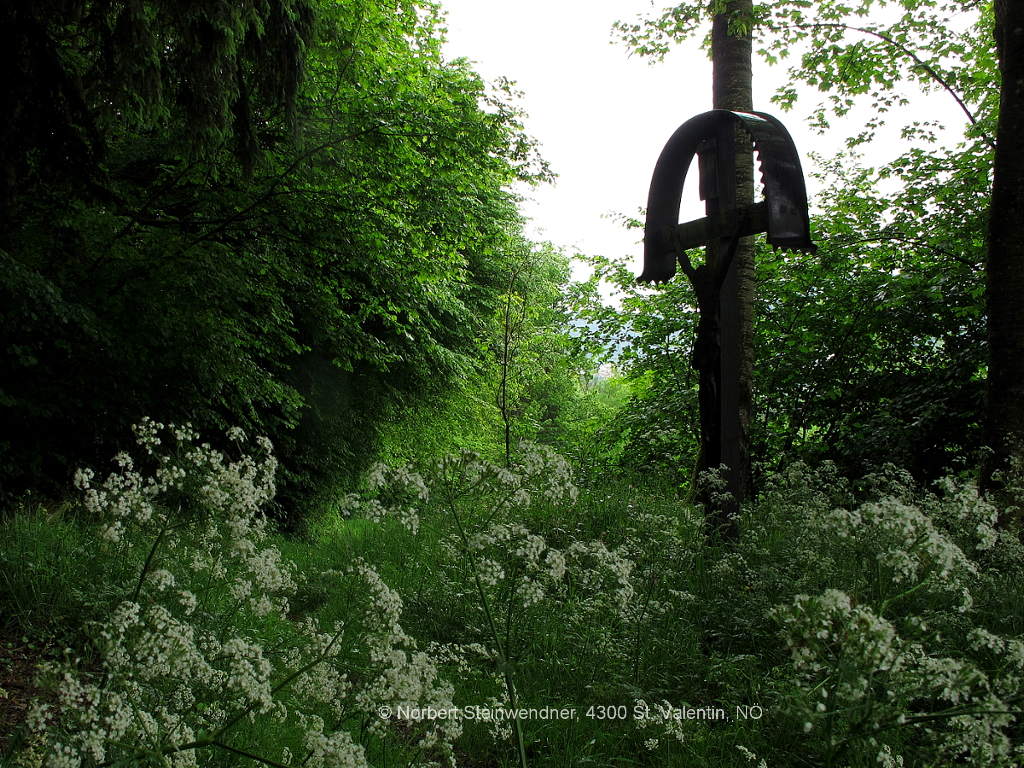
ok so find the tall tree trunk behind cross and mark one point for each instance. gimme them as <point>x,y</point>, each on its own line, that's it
<point>732,88</point>
<point>1004,270</point>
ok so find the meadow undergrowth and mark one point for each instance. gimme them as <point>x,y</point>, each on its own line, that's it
<point>200,661</point>
<point>465,612</point>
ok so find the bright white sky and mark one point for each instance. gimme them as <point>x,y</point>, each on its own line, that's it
<point>602,117</point>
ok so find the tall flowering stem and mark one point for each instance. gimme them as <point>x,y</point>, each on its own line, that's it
<point>503,659</point>
<point>484,503</point>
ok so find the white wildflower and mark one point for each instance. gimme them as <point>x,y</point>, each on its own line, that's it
<point>161,579</point>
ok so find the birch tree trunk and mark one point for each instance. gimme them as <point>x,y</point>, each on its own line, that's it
<point>732,88</point>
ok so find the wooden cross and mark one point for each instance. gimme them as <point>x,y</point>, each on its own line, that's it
<point>782,214</point>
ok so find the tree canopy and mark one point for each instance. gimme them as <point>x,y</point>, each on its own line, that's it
<point>874,350</point>
<point>297,218</point>
<point>277,215</point>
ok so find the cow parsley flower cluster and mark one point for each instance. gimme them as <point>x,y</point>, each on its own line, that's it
<point>962,508</point>
<point>910,550</point>
<point>201,655</point>
<point>875,595</point>
<point>820,629</point>
<point>486,504</point>
<point>509,550</point>
<point>661,719</point>
<point>394,492</point>
<point>855,671</point>
<point>540,461</point>
<point>483,512</point>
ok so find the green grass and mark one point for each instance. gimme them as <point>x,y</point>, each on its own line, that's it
<point>594,663</point>
<point>45,571</point>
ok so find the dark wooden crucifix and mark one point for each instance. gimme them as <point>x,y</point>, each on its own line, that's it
<point>782,214</point>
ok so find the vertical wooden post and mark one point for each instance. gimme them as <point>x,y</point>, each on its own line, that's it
<point>722,448</point>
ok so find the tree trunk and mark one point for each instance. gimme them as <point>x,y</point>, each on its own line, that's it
<point>1004,397</point>
<point>732,89</point>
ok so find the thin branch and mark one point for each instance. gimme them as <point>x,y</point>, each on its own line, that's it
<point>906,52</point>
<point>271,191</point>
<point>899,238</point>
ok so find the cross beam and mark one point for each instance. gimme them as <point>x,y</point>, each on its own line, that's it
<point>746,221</point>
